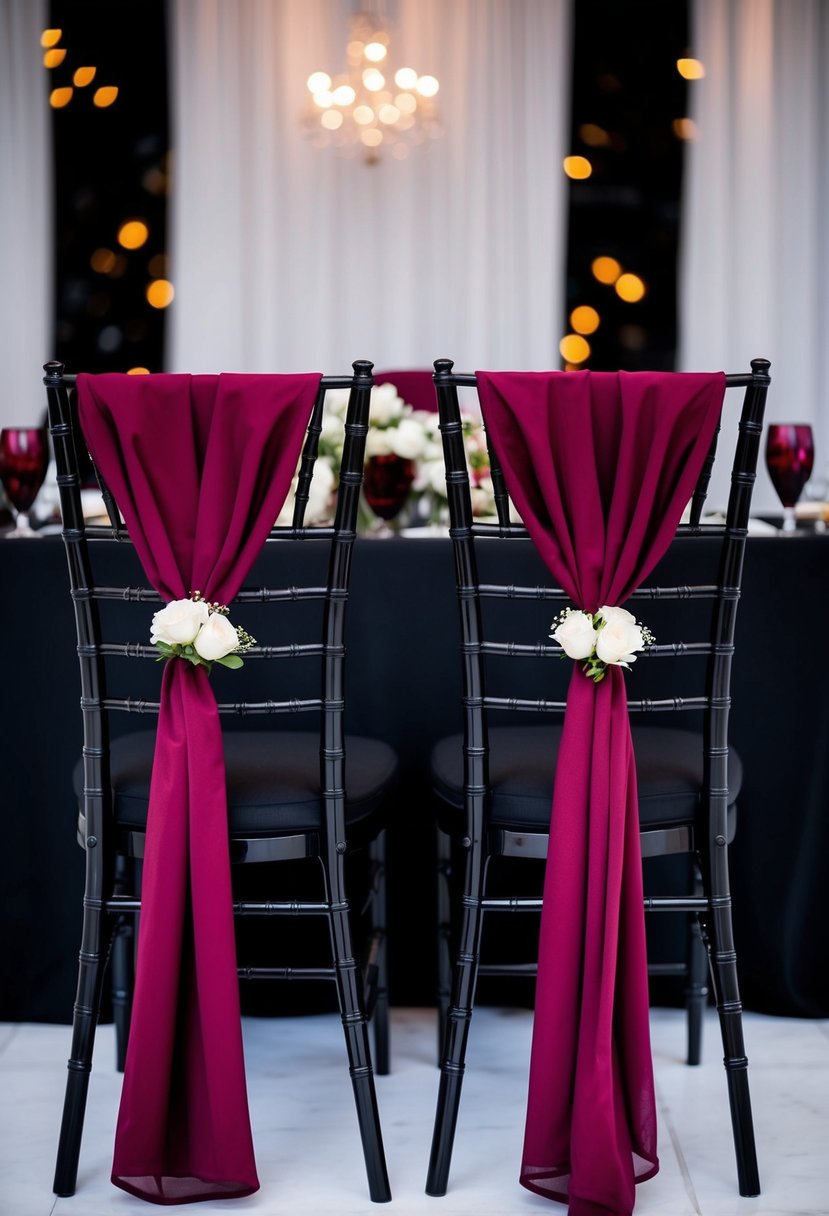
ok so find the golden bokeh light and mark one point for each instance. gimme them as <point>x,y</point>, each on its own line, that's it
<point>138,371</point>
<point>102,261</point>
<point>606,270</point>
<point>160,293</point>
<point>574,348</point>
<point>54,58</point>
<point>133,234</point>
<point>577,167</point>
<point>105,96</point>
<point>84,76</point>
<point>51,37</point>
<point>374,52</point>
<point>584,319</point>
<point>332,120</point>
<point>405,78</point>
<point>690,69</point>
<point>685,128</point>
<point>594,136</point>
<point>630,288</point>
<point>59,98</point>
<point>371,137</point>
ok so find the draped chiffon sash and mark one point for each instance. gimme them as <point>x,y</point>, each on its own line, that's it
<point>200,467</point>
<point>600,467</point>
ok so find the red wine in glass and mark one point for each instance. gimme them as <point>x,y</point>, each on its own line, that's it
<point>24,458</point>
<point>387,480</point>
<point>790,455</point>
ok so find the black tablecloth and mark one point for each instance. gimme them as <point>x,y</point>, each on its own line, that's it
<point>405,687</point>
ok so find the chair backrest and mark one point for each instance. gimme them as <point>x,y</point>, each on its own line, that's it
<point>691,597</point>
<point>300,674</point>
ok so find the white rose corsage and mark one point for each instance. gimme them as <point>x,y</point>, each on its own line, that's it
<point>199,632</point>
<point>609,637</point>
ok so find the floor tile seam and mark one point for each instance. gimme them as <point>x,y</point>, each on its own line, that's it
<point>673,1135</point>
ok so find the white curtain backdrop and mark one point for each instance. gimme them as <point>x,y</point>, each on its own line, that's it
<point>25,213</point>
<point>288,257</point>
<point>755,249</point>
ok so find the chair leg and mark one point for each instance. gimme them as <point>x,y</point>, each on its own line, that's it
<point>91,968</point>
<point>378,912</point>
<point>696,993</point>
<point>453,1059</point>
<point>444,942</point>
<point>123,979</point>
<point>122,968</point>
<point>352,1011</point>
<point>730,1010</point>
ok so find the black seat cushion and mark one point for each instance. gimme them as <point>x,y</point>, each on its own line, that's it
<point>522,763</point>
<point>273,780</point>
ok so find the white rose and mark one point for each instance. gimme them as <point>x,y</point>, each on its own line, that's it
<point>336,403</point>
<point>320,491</point>
<point>216,638</point>
<point>179,622</point>
<point>608,614</point>
<point>378,443</point>
<point>576,635</point>
<point>483,497</point>
<point>406,439</point>
<point>618,639</point>
<point>385,404</point>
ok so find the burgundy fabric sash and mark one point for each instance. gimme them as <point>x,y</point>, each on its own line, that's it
<point>600,467</point>
<point>200,467</point>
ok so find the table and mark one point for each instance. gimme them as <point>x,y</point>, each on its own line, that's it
<point>402,633</point>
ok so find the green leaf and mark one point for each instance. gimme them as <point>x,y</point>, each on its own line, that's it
<point>231,660</point>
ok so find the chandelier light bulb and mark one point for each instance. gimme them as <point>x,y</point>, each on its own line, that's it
<point>319,82</point>
<point>405,78</point>
<point>343,95</point>
<point>375,52</point>
<point>373,80</point>
<point>427,86</point>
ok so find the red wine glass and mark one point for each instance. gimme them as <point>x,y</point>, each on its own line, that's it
<point>24,458</point>
<point>387,480</point>
<point>790,455</point>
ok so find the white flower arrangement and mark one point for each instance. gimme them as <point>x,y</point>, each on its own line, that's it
<point>607,638</point>
<point>200,632</point>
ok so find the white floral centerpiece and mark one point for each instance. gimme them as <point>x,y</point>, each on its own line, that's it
<point>200,632</point>
<point>396,429</point>
<point>598,640</point>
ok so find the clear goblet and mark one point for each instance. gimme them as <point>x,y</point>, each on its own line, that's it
<point>790,455</point>
<point>24,458</point>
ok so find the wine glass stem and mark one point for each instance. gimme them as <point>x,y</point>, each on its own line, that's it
<point>789,524</point>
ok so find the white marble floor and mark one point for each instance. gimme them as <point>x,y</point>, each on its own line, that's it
<point>308,1151</point>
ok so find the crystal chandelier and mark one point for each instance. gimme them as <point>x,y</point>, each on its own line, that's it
<point>372,107</point>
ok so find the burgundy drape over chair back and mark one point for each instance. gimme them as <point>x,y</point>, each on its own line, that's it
<point>600,467</point>
<point>200,467</point>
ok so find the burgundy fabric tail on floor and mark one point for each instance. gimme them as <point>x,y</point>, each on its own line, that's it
<point>600,466</point>
<point>200,467</point>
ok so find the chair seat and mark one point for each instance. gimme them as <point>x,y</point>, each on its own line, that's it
<point>273,780</point>
<point>522,763</point>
